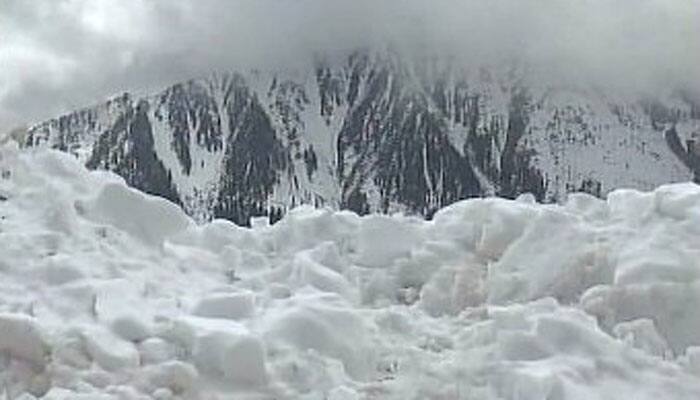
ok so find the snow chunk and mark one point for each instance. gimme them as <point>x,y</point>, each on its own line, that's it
<point>343,393</point>
<point>383,239</point>
<point>20,337</point>
<point>588,206</point>
<point>226,305</point>
<point>630,206</point>
<point>328,254</point>
<point>642,334</point>
<point>330,330</point>
<point>25,396</point>
<point>131,328</point>
<point>278,291</point>
<point>110,352</point>
<point>692,360</point>
<point>537,266</point>
<point>217,235</point>
<point>679,201</point>
<point>259,222</point>
<point>307,271</point>
<point>176,376</point>
<point>302,226</point>
<point>452,289</point>
<point>156,350</point>
<point>460,223</point>
<point>243,361</point>
<point>505,223</point>
<point>672,307</point>
<point>57,393</point>
<point>223,349</point>
<point>69,349</point>
<point>647,263</point>
<point>150,219</point>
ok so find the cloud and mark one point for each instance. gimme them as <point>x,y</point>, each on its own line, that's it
<point>57,55</point>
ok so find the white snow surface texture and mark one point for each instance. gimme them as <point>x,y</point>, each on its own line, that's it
<point>108,293</point>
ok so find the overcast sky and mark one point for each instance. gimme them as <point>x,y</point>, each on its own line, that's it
<point>59,55</point>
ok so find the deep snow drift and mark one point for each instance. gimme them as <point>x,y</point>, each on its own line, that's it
<point>106,293</point>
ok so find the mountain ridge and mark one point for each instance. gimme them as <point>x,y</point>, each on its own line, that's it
<point>378,133</point>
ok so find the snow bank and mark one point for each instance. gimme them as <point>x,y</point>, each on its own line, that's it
<point>108,293</point>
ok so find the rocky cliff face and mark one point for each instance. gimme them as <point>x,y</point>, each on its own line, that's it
<point>375,132</point>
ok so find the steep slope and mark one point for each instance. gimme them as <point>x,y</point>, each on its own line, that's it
<point>378,132</point>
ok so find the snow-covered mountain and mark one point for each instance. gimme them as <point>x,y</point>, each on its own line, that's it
<point>110,294</point>
<point>379,132</point>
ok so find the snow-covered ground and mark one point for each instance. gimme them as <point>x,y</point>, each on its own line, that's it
<point>107,293</point>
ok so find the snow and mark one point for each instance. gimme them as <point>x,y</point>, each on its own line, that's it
<point>131,328</point>
<point>21,338</point>
<point>384,239</point>
<point>155,350</point>
<point>148,219</point>
<point>227,306</point>
<point>109,352</point>
<point>108,293</point>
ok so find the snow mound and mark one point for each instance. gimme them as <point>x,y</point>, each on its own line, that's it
<point>108,293</point>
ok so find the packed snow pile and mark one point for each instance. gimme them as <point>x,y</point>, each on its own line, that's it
<point>107,293</point>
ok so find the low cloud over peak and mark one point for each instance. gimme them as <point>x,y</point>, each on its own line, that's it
<point>57,55</point>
